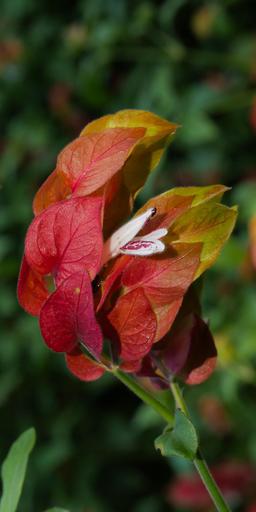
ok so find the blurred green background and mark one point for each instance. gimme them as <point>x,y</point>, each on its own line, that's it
<point>62,64</point>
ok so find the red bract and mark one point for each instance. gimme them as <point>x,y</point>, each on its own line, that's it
<point>135,323</point>
<point>189,350</point>
<point>68,316</point>
<point>66,238</point>
<point>83,367</point>
<point>165,280</point>
<point>130,282</point>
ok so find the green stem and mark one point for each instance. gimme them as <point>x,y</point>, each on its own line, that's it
<point>144,395</point>
<point>199,461</point>
<point>160,408</point>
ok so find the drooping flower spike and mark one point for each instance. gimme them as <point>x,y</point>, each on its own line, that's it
<point>90,273</point>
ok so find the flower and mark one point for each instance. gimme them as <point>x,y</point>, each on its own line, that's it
<point>89,274</point>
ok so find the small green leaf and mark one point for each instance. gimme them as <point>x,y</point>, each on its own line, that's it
<point>14,470</point>
<point>180,440</point>
<point>56,509</point>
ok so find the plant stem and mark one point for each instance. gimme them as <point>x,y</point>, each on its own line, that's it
<point>199,461</point>
<point>144,395</point>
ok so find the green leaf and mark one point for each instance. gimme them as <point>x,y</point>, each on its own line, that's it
<point>209,223</point>
<point>180,440</point>
<point>56,509</point>
<point>14,469</point>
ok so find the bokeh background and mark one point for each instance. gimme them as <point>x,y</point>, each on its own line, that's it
<point>62,64</point>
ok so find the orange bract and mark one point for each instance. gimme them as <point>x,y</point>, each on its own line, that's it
<point>31,290</point>
<point>54,189</point>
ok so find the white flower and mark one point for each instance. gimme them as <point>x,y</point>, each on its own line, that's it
<point>125,241</point>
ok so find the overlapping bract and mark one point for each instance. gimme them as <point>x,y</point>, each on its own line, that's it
<point>134,301</point>
<point>66,238</point>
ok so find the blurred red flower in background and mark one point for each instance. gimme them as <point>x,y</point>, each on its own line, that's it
<point>235,479</point>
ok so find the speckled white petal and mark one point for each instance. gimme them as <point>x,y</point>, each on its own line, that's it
<point>154,235</point>
<point>125,234</point>
<point>143,247</point>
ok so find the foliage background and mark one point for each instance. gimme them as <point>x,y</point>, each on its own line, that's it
<point>62,64</point>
